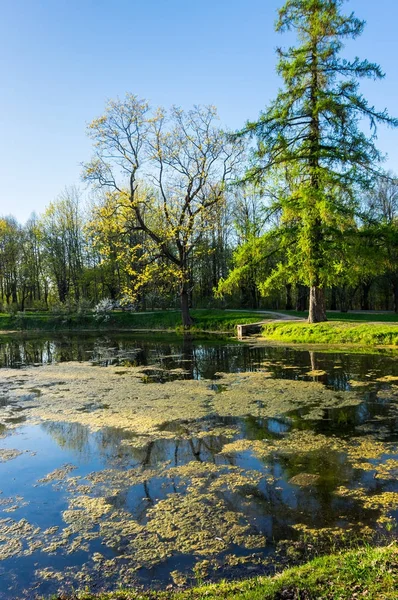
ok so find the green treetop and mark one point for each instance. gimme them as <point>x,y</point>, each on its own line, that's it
<point>314,130</point>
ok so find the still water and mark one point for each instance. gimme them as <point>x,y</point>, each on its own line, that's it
<point>155,461</point>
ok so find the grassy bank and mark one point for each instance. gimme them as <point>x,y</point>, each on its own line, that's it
<point>351,330</point>
<point>336,332</point>
<point>366,316</point>
<point>370,573</point>
<point>204,320</point>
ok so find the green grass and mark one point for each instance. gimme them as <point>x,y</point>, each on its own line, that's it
<point>204,320</point>
<point>370,573</point>
<point>349,331</point>
<point>369,317</point>
<point>369,334</point>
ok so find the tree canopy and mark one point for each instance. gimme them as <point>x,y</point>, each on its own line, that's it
<point>314,131</point>
<point>168,172</point>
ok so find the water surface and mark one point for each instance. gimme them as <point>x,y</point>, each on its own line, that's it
<point>274,452</point>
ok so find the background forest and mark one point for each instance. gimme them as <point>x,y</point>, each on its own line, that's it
<point>74,255</point>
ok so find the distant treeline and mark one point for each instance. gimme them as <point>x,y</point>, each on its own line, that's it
<point>74,255</point>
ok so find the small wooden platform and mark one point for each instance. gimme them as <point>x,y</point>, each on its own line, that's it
<point>244,330</point>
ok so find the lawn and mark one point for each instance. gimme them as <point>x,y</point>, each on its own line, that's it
<point>334,332</point>
<point>370,573</point>
<point>370,316</point>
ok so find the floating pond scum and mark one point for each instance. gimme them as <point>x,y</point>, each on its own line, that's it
<point>234,461</point>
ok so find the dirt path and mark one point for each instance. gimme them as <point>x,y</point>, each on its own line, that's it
<point>278,316</point>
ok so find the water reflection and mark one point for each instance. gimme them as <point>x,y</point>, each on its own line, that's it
<point>275,507</point>
<point>187,358</point>
<point>165,478</point>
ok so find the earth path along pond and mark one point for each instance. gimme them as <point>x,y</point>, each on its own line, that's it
<point>128,461</point>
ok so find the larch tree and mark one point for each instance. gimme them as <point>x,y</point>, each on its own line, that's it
<point>314,128</point>
<point>168,172</point>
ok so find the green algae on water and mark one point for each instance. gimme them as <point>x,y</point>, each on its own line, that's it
<point>202,510</point>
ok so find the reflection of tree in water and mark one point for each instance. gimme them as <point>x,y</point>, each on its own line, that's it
<point>275,506</point>
<point>85,444</point>
<point>21,351</point>
<point>259,428</point>
<point>111,444</point>
<point>200,358</point>
<point>373,412</point>
<point>271,507</point>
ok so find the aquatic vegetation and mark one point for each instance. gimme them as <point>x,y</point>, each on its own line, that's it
<point>58,474</point>
<point>16,537</point>
<point>316,373</point>
<point>358,384</point>
<point>304,479</point>
<point>296,442</point>
<point>388,469</point>
<point>211,474</point>
<point>11,504</point>
<point>125,402</point>
<point>6,454</point>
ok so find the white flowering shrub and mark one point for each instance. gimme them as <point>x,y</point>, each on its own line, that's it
<point>103,309</point>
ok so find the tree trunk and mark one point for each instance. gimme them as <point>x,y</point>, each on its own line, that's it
<point>333,301</point>
<point>365,304</point>
<point>23,298</point>
<point>289,301</point>
<point>343,299</point>
<point>317,311</point>
<point>187,320</point>
<point>62,290</point>
<point>301,302</point>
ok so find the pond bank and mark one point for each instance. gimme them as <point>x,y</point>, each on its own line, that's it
<point>208,321</point>
<point>337,332</point>
<point>368,572</point>
<point>204,321</point>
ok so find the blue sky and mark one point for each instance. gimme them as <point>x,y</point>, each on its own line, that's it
<point>60,60</point>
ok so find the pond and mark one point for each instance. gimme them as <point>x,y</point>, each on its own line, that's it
<point>149,461</point>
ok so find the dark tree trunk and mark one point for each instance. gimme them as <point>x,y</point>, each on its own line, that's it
<point>289,301</point>
<point>343,302</point>
<point>365,305</point>
<point>23,298</point>
<point>302,293</point>
<point>62,290</point>
<point>46,290</point>
<point>187,320</point>
<point>317,311</point>
<point>333,300</point>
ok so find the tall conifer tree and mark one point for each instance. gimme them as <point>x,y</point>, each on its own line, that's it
<point>314,128</point>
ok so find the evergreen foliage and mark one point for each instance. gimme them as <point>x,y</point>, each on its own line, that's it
<point>313,130</point>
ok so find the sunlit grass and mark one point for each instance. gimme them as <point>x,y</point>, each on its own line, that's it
<point>365,334</point>
<point>365,573</point>
<point>369,317</point>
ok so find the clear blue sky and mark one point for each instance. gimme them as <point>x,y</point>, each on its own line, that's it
<point>60,60</point>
